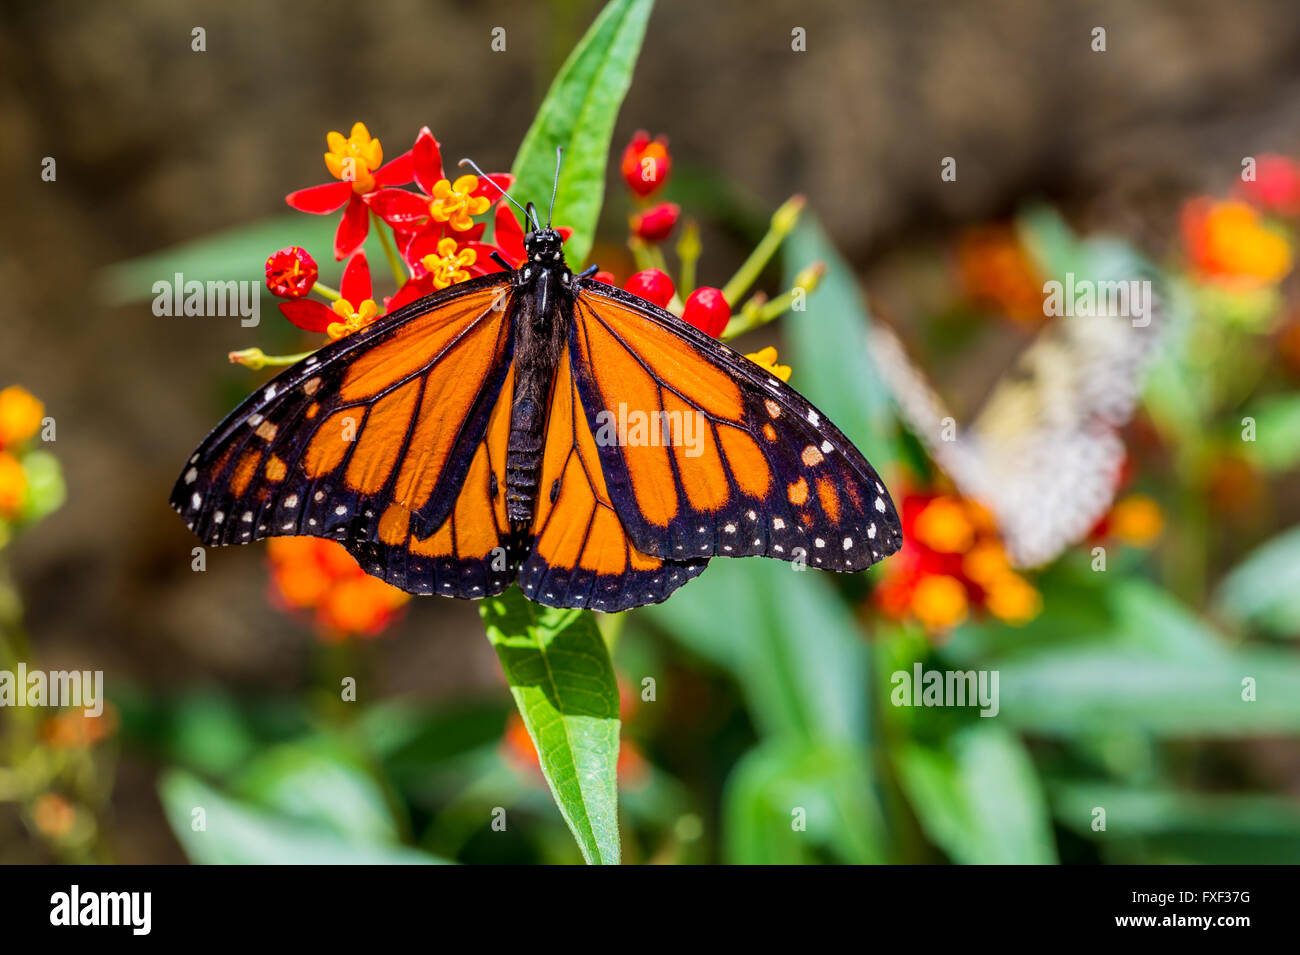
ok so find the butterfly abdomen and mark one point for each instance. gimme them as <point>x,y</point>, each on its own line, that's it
<point>541,322</point>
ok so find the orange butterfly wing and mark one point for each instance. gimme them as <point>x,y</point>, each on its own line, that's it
<point>390,441</point>
<point>581,556</point>
<point>741,465</point>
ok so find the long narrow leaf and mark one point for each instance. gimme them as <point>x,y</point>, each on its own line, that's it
<point>563,682</point>
<point>579,113</point>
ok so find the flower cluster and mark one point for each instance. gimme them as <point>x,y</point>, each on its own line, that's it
<point>1241,242</point>
<point>320,578</point>
<point>31,483</point>
<point>952,561</point>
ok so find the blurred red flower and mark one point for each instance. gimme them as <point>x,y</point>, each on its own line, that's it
<point>646,163</point>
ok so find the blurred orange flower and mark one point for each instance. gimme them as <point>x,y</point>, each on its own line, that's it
<point>20,415</point>
<point>998,273</point>
<point>13,485</point>
<point>1227,240</point>
<point>952,563</point>
<point>73,729</point>
<point>1135,520</point>
<point>321,577</point>
<point>53,815</point>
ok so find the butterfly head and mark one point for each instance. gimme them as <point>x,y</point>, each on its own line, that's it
<point>544,248</point>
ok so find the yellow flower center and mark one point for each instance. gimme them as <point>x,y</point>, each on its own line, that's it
<point>449,266</point>
<point>354,159</point>
<point>354,319</point>
<point>453,203</point>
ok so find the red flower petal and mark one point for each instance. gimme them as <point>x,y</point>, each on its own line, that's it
<point>356,286</point>
<point>398,172</point>
<point>353,228</point>
<point>309,314</point>
<point>495,186</point>
<point>427,156</point>
<point>320,200</point>
<point>509,235</point>
<point>404,211</point>
<point>408,293</point>
<point>483,261</point>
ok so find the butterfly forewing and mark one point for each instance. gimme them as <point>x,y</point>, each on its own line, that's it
<point>368,441</point>
<point>740,465</point>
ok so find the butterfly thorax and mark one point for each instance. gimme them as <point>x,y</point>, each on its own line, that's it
<point>541,313</point>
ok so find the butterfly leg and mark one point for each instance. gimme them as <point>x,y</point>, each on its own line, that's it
<point>500,260</point>
<point>589,271</point>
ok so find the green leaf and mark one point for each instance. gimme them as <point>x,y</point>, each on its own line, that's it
<point>828,348</point>
<point>1277,433</point>
<point>563,682</point>
<point>237,833</point>
<point>788,640</point>
<point>1160,670</point>
<point>1167,826</point>
<point>979,798</point>
<point>233,254</point>
<point>787,801</point>
<point>1264,589</point>
<point>578,114</point>
<point>321,782</point>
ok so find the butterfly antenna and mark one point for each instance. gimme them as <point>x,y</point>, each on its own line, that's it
<point>555,189</point>
<point>473,165</point>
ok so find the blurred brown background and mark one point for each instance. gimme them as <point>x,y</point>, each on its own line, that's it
<point>157,144</point>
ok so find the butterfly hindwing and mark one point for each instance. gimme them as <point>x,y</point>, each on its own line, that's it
<point>581,555</point>
<point>740,465</point>
<point>370,441</point>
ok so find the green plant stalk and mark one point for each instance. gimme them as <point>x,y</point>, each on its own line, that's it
<point>390,253</point>
<point>688,254</point>
<point>783,222</point>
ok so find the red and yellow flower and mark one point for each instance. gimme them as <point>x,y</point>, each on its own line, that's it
<point>952,564</point>
<point>355,162</point>
<point>442,208</point>
<point>353,310</point>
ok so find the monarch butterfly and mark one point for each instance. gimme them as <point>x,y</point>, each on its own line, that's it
<point>464,442</point>
<point>1044,453</point>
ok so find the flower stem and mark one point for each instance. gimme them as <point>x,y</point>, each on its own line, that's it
<point>688,253</point>
<point>394,263</point>
<point>256,359</point>
<point>326,292</point>
<point>783,223</point>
